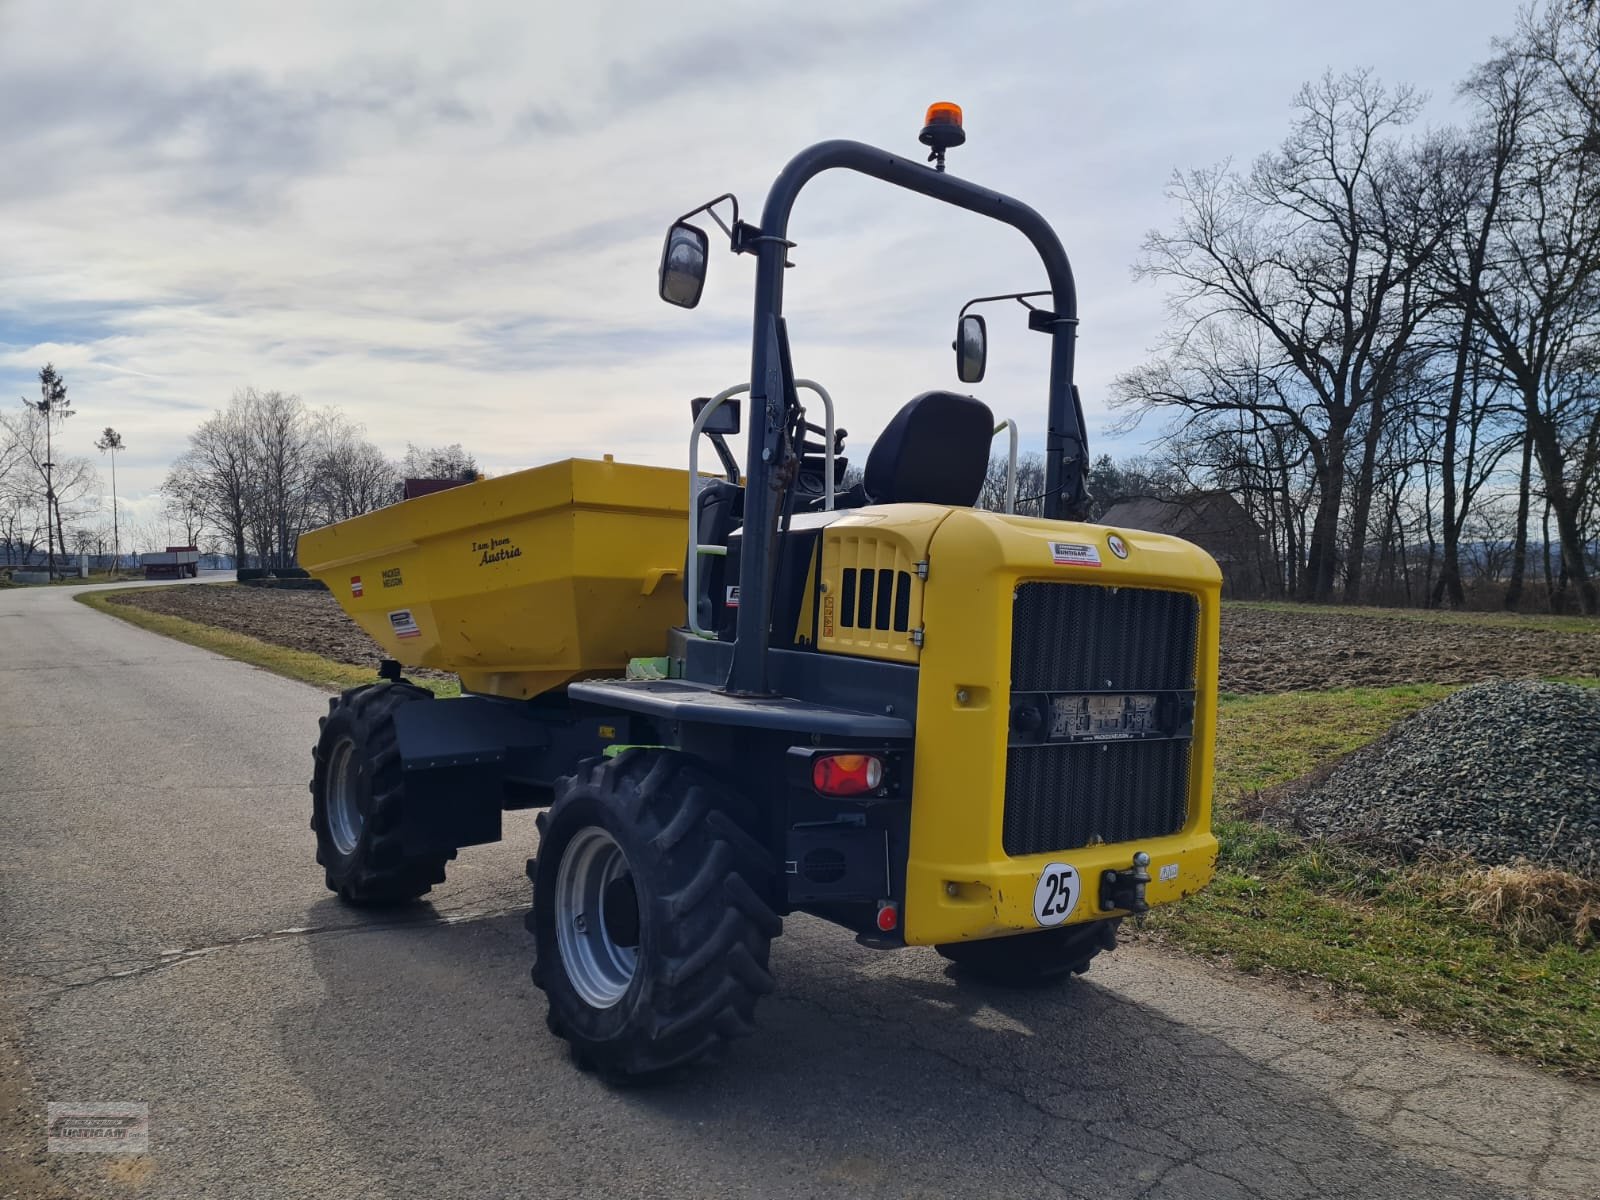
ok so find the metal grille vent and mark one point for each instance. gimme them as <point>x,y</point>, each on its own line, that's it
<point>1084,638</point>
<point>1063,797</point>
<point>1069,637</point>
<point>875,600</point>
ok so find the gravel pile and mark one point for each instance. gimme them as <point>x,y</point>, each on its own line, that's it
<point>1498,771</point>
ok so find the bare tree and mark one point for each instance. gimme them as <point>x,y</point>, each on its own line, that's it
<point>1030,485</point>
<point>1539,298</point>
<point>437,462</point>
<point>110,442</point>
<point>265,469</point>
<point>183,510</point>
<point>280,443</point>
<point>1318,253</point>
<point>216,476</point>
<point>53,407</point>
<point>349,474</point>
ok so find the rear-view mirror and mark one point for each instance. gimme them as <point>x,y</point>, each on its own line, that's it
<point>683,265</point>
<point>972,348</point>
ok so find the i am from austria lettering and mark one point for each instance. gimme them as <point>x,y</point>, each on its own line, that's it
<point>496,549</point>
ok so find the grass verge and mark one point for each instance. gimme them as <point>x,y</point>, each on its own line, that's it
<point>1428,616</point>
<point>1414,941</point>
<point>295,664</point>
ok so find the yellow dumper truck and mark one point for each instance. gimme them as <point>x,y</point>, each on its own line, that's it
<point>765,692</point>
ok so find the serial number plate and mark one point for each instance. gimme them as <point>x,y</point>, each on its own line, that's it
<point>1102,718</point>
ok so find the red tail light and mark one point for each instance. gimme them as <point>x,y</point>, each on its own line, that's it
<point>847,774</point>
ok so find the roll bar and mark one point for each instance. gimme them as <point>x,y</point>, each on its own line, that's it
<point>772,389</point>
<point>692,571</point>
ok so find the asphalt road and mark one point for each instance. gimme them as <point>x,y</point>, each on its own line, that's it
<point>165,937</point>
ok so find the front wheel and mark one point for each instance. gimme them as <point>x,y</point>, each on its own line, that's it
<point>358,801</point>
<point>651,914</point>
<point>1033,959</point>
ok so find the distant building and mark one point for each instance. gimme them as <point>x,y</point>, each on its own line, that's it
<point>1219,525</point>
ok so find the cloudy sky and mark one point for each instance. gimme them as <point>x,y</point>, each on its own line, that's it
<point>445,219</point>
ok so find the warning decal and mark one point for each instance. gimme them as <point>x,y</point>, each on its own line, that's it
<point>404,624</point>
<point>1075,554</point>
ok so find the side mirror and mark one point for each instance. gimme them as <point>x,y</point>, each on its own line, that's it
<point>724,419</point>
<point>972,348</point>
<point>683,265</point>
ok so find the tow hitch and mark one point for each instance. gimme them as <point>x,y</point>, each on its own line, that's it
<point>1125,889</point>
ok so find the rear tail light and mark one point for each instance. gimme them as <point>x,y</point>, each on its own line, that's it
<point>847,774</point>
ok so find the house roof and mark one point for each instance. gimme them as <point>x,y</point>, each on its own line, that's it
<point>1147,512</point>
<point>1194,516</point>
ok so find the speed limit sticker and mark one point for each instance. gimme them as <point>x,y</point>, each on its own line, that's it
<point>1057,894</point>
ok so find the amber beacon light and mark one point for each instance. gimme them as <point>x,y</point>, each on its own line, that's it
<point>941,129</point>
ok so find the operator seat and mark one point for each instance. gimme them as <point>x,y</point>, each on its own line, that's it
<point>935,450</point>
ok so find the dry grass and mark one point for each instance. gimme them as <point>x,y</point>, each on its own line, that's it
<point>1509,958</point>
<point>1531,905</point>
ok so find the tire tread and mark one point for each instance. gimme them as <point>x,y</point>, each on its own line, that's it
<point>714,927</point>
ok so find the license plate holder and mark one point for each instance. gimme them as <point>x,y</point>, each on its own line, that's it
<point>1105,717</point>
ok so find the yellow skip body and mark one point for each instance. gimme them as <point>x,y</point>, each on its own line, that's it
<point>521,583</point>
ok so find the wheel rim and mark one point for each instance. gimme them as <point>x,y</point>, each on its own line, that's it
<point>597,917</point>
<point>344,805</point>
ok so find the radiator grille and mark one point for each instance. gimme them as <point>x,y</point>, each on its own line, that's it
<point>1064,797</point>
<point>1083,638</point>
<point>1071,637</point>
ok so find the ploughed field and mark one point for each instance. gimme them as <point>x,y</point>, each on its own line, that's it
<point>1265,648</point>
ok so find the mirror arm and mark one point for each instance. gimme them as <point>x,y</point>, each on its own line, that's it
<point>709,208</point>
<point>729,463</point>
<point>1021,298</point>
<point>743,237</point>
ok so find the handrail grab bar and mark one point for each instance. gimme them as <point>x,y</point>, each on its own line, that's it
<point>692,579</point>
<point>1011,464</point>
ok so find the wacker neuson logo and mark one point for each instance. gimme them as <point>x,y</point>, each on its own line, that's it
<point>113,1127</point>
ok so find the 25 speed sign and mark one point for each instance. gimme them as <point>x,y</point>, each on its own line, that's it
<point>1057,894</point>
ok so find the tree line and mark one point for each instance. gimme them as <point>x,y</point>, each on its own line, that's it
<point>1385,341</point>
<point>260,472</point>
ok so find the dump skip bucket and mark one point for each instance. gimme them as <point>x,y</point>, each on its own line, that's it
<point>518,584</point>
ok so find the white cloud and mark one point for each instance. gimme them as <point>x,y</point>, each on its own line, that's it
<point>447,222</point>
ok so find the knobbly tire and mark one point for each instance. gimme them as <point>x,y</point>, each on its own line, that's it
<point>651,918</point>
<point>357,801</point>
<point>1033,959</point>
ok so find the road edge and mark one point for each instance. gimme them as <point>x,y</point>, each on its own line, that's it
<point>300,665</point>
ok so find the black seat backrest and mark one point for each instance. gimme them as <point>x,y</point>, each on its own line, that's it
<point>934,451</point>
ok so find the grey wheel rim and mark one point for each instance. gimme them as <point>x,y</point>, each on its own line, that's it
<point>344,803</point>
<point>599,967</point>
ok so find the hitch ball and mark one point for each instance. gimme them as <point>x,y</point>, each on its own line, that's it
<point>1125,889</point>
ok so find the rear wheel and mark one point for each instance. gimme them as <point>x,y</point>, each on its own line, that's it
<point>1033,959</point>
<point>358,802</point>
<point>651,917</point>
